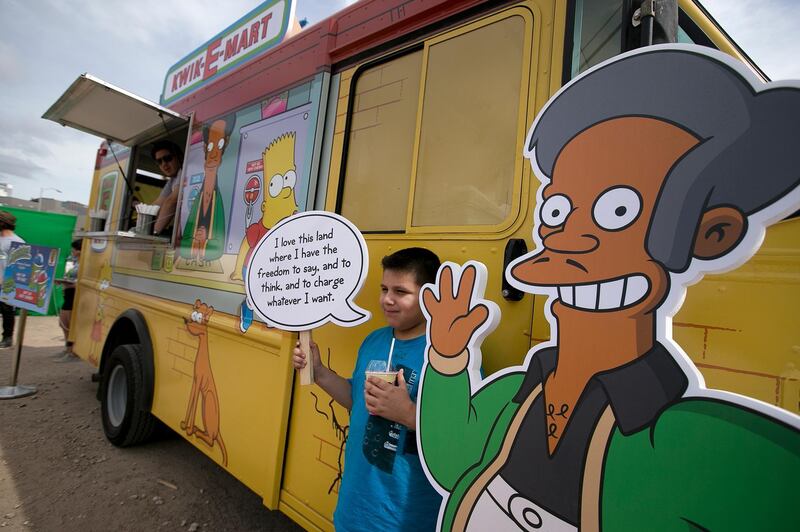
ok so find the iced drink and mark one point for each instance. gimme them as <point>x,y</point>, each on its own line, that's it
<point>381,370</point>
<point>388,376</point>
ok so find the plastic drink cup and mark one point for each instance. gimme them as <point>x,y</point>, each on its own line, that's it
<point>388,376</point>
<point>379,369</point>
<point>169,260</point>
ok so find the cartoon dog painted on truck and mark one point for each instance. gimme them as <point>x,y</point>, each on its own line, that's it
<point>656,167</point>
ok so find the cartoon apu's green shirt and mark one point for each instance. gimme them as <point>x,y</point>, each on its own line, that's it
<point>215,222</point>
<point>653,460</point>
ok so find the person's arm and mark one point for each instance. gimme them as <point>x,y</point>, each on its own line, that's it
<point>336,386</point>
<point>167,210</point>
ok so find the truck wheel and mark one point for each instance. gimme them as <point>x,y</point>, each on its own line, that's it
<point>125,421</point>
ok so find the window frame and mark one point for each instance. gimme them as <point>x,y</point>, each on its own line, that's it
<point>126,208</point>
<point>526,98</point>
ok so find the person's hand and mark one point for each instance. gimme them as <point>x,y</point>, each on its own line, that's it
<point>300,359</point>
<point>390,401</point>
<point>453,322</point>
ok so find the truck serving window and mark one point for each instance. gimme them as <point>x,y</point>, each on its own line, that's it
<point>438,130</point>
<point>148,180</point>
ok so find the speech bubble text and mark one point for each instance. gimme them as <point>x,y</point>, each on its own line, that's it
<point>306,271</point>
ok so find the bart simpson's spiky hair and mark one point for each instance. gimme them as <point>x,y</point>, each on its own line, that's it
<point>279,156</point>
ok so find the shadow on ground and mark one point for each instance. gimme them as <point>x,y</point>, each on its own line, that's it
<point>66,476</point>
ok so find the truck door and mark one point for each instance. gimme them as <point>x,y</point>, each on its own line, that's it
<point>426,151</point>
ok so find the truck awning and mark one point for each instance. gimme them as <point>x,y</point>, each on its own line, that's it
<point>99,108</point>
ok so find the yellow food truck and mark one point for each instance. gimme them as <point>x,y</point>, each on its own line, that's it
<point>407,117</point>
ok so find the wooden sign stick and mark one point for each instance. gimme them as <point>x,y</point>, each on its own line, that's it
<point>307,373</point>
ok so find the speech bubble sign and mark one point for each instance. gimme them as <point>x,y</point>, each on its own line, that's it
<point>306,271</point>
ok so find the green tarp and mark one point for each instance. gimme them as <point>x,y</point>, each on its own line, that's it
<point>47,229</point>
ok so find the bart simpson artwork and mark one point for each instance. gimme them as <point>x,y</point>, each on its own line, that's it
<point>656,167</point>
<point>278,203</point>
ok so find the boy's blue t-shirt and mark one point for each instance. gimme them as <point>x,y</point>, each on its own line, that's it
<point>383,486</point>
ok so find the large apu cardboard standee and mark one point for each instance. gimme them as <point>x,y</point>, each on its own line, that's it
<point>305,272</point>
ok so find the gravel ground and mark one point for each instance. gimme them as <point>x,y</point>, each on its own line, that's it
<point>58,471</point>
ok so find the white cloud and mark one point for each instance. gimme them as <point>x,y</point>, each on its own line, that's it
<point>765,29</point>
<point>10,65</point>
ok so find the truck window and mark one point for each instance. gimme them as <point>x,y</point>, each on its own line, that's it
<point>147,180</point>
<point>381,143</point>
<point>439,130</point>
<point>597,33</point>
<point>468,134</point>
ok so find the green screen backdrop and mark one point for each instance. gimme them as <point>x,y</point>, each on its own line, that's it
<point>47,229</point>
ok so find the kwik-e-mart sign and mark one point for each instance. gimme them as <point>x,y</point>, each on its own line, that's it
<point>250,36</point>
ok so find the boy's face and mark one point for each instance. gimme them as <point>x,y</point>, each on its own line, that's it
<point>400,304</point>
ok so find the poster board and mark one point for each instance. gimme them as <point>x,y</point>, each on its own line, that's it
<point>305,272</point>
<point>28,276</point>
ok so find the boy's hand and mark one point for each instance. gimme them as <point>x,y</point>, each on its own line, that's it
<point>390,401</point>
<point>299,359</point>
<point>453,322</point>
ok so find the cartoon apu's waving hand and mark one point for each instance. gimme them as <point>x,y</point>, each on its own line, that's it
<point>453,318</point>
<point>457,322</point>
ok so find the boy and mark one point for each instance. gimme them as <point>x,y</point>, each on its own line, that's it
<point>384,487</point>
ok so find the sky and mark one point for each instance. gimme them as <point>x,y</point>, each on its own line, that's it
<point>46,44</point>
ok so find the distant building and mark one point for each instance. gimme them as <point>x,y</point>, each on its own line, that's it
<point>47,205</point>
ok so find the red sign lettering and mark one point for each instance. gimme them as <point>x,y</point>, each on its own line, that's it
<point>230,47</point>
<point>264,24</point>
<point>211,59</point>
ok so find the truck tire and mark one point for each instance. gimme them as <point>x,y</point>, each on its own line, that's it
<point>126,421</point>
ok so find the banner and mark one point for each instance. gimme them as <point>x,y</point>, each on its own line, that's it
<point>28,276</point>
<point>250,36</point>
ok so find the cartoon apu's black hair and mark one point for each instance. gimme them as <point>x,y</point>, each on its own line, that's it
<point>748,132</point>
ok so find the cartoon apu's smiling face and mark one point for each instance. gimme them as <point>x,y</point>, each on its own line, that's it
<point>595,214</point>
<point>215,145</point>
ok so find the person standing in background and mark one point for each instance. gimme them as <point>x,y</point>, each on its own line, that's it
<point>68,284</point>
<point>8,223</point>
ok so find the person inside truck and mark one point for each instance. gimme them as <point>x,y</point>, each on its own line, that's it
<point>169,158</point>
<point>383,486</point>
<point>68,290</point>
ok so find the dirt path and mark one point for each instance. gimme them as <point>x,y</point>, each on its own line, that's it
<point>58,472</point>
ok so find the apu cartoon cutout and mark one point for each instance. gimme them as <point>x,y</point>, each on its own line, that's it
<point>656,166</point>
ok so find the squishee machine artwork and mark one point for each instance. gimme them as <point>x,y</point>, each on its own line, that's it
<point>609,425</point>
<point>305,272</point>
